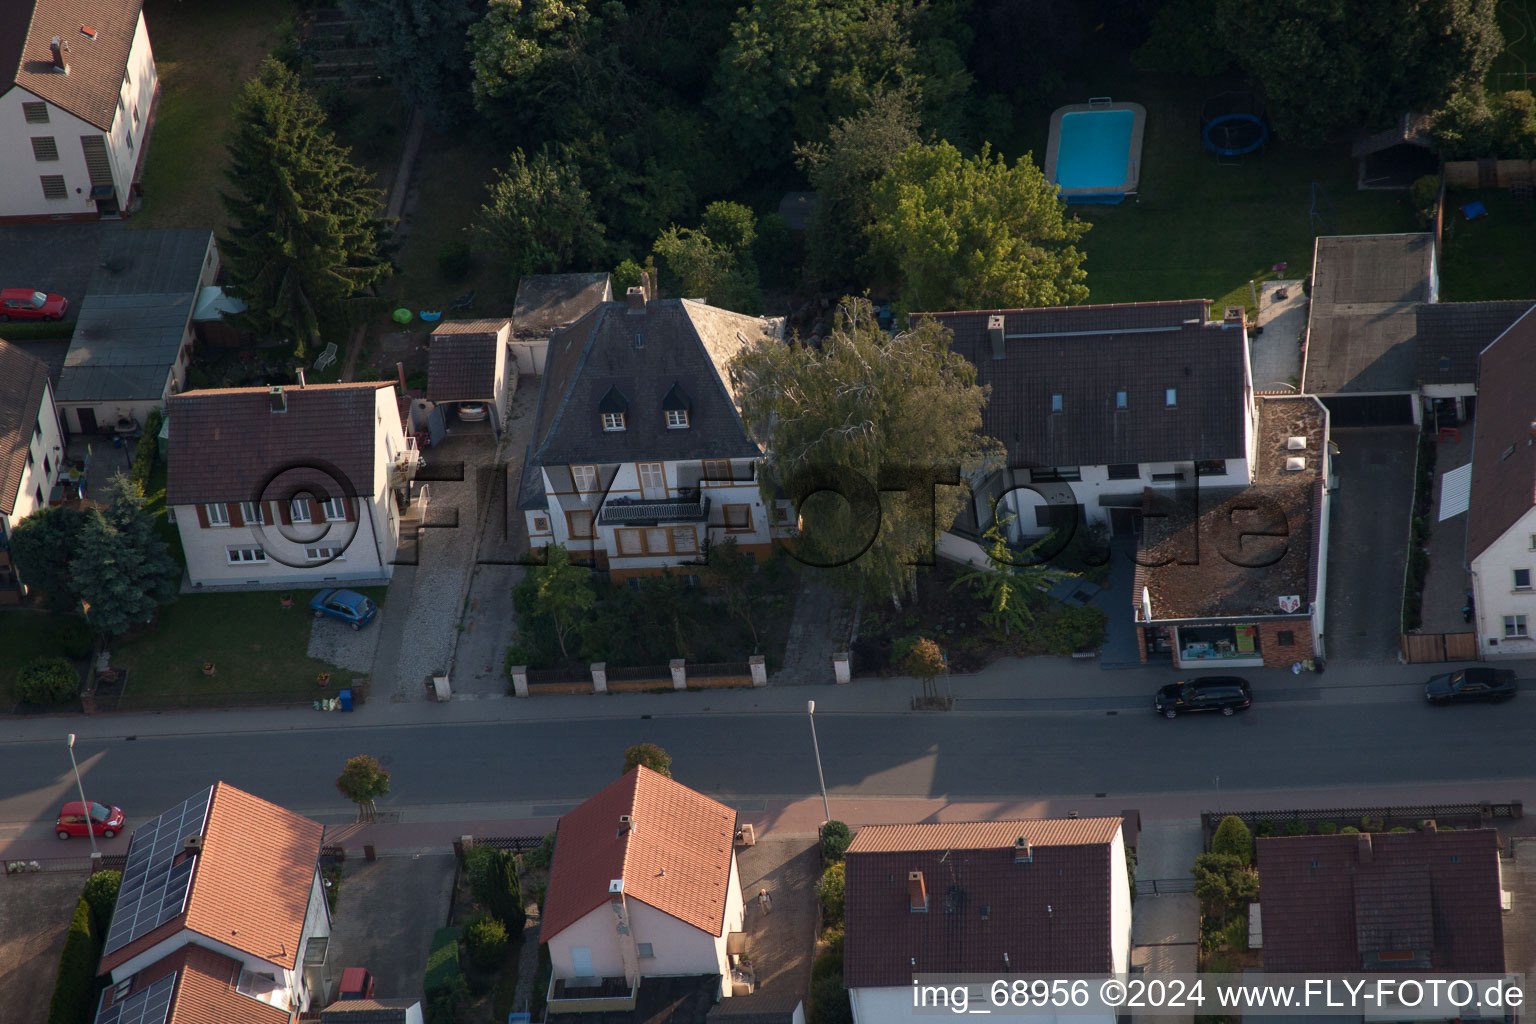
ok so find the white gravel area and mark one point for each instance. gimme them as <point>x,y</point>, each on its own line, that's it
<point>338,644</point>
<point>437,587</point>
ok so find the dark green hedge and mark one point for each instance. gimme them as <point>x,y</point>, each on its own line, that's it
<point>148,452</point>
<point>74,993</point>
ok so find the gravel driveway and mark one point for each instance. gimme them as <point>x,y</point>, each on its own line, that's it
<point>339,644</point>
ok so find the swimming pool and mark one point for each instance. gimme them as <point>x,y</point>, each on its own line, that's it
<point>1094,153</point>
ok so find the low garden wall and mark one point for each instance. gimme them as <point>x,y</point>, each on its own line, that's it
<point>678,675</point>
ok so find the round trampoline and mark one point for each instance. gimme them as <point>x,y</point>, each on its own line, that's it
<point>1233,124</point>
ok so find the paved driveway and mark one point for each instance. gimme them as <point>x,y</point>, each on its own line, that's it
<point>56,258</point>
<point>385,916</point>
<point>35,911</point>
<point>1367,547</point>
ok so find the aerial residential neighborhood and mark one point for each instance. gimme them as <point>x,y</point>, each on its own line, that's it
<point>768,512</point>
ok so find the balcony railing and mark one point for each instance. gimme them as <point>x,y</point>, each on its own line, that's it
<point>687,508</point>
<point>591,995</point>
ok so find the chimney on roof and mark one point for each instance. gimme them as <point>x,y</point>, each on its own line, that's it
<point>1430,826</point>
<point>1363,848</point>
<point>626,823</point>
<point>917,893</point>
<point>636,297</point>
<point>400,372</point>
<point>194,844</point>
<point>1232,315</point>
<point>59,49</point>
<point>995,335</point>
<point>300,372</point>
<point>1023,853</point>
<point>277,401</point>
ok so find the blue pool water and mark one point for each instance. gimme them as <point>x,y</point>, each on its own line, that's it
<point>1095,149</point>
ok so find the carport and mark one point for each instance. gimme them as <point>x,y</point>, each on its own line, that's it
<point>467,363</point>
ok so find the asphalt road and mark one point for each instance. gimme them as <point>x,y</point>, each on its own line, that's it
<point>985,750</point>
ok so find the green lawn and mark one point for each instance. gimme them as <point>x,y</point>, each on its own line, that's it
<point>257,646</point>
<point>1493,257</point>
<point>1513,67</point>
<point>203,53</point>
<point>25,635</point>
<point>1199,229</point>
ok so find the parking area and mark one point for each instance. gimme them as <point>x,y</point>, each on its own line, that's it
<point>1367,546</point>
<point>385,916</point>
<point>55,258</point>
<point>35,911</point>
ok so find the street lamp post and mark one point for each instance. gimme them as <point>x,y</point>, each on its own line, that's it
<point>810,711</point>
<point>90,823</point>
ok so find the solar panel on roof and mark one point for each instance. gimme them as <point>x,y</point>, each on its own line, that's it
<point>149,1006</point>
<point>154,888</point>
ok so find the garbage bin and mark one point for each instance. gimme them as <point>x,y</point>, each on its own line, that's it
<point>345,696</point>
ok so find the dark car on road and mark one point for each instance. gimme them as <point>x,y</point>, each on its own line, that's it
<point>1227,694</point>
<point>357,610</point>
<point>1471,684</point>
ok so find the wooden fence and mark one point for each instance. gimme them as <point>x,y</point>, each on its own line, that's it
<point>1486,173</point>
<point>1429,648</point>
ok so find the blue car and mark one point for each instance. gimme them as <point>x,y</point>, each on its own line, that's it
<point>347,605</point>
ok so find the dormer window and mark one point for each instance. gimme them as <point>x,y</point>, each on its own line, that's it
<point>1056,403</point>
<point>1122,400</point>
<point>1171,397</point>
<point>613,408</point>
<point>675,407</point>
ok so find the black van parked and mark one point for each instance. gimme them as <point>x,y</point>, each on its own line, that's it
<point>1226,694</point>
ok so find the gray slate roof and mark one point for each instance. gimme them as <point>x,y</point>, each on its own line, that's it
<point>685,343</point>
<point>134,315</point>
<point>23,381</point>
<point>1457,332</point>
<point>1361,332</point>
<point>1086,354</point>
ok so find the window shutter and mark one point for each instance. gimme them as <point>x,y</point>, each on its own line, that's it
<point>236,514</point>
<point>349,505</point>
<point>316,510</point>
<point>202,516</point>
<point>284,513</point>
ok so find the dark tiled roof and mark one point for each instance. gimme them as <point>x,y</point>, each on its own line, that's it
<point>547,301</point>
<point>981,904</point>
<point>367,1011</point>
<point>461,365</point>
<point>684,343</point>
<point>96,66</point>
<point>1456,332</point>
<point>1326,910</point>
<point>225,444</point>
<point>1088,353</point>
<point>758,1008</point>
<point>1361,330</point>
<point>1503,457</point>
<point>22,383</point>
<point>1191,547</point>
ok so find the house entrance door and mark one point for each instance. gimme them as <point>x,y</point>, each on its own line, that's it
<point>581,962</point>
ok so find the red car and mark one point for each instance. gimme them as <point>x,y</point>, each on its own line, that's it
<point>104,821</point>
<point>27,304</point>
<point>356,983</point>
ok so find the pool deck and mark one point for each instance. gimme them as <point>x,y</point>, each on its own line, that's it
<point>1133,154</point>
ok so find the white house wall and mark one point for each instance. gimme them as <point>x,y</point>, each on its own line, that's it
<point>1119,906</point>
<point>680,949</point>
<point>47,447</point>
<point>21,190</point>
<point>1495,595</point>
<point>1095,483</point>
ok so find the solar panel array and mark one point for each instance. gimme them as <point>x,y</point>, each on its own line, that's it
<point>151,1006</point>
<point>154,889</point>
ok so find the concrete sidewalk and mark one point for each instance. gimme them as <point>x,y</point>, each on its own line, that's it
<point>1010,686</point>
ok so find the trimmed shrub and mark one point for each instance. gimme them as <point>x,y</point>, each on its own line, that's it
<point>832,940</point>
<point>485,939</point>
<point>1233,838</point>
<point>101,894</point>
<point>1073,630</point>
<point>835,837</point>
<point>1349,830</point>
<point>493,879</point>
<point>445,1006</point>
<point>1402,828</point>
<point>442,962</point>
<point>75,991</point>
<point>1295,827</point>
<point>830,891</point>
<point>1327,828</point>
<point>453,261</point>
<point>540,858</point>
<point>829,1001</point>
<point>148,451</point>
<point>827,965</point>
<point>48,681</point>
<point>1266,828</point>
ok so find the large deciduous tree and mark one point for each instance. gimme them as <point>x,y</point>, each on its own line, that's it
<point>43,545</point>
<point>715,260</point>
<point>122,570</point>
<point>305,233</point>
<point>421,47</point>
<point>564,593</point>
<point>869,410</point>
<point>539,217</point>
<point>1330,66</point>
<point>363,780</point>
<point>651,756</point>
<point>976,233</point>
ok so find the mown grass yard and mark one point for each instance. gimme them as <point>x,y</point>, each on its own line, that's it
<point>204,52</point>
<point>257,647</point>
<point>26,634</point>
<point>1493,257</point>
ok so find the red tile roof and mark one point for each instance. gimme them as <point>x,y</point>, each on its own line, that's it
<point>677,858</point>
<point>226,444</point>
<point>1503,457</point>
<point>251,887</point>
<point>205,990</point>
<point>1326,909</point>
<point>1050,914</point>
<point>23,378</point>
<point>96,66</point>
<point>461,364</point>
